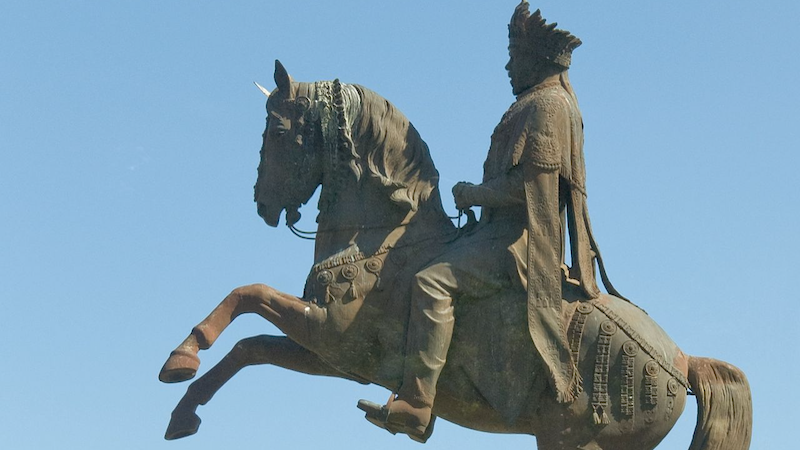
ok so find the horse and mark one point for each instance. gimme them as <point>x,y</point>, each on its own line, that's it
<point>381,221</point>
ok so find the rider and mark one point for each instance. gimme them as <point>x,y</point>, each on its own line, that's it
<point>534,182</point>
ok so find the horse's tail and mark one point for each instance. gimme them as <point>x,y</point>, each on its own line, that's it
<point>724,405</point>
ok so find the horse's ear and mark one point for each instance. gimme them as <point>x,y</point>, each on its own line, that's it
<point>283,80</point>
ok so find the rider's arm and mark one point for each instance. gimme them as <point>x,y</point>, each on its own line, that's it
<point>536,148</point>
<point>507,190</point>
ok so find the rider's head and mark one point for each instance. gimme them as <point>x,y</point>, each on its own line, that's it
<point>536,49</point>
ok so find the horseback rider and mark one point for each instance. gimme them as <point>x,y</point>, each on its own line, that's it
<point>533,185</point>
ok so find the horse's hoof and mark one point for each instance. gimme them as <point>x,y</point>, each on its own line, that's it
<point>182,425</point>
<point>180,366</point>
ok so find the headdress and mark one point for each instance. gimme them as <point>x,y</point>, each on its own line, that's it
<point>533,37</point>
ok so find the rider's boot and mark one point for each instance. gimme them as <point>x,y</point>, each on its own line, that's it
<point>429,332</point>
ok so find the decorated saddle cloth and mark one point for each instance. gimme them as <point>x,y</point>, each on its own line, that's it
<point>344,279</point>
<point>628,364</point>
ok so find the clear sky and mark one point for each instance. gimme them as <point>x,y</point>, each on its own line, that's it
<point>129,137</point>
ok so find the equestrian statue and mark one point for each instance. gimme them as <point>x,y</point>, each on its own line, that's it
<point>489,326</point>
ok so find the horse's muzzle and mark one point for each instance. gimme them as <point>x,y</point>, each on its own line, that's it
<point>271,216</point>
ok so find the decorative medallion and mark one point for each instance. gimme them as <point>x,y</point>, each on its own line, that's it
<point>575,332</point>
<point>374,265</point>
<point>627,387</point>
<point>630,348</point>
<point>673,387</point>
<point>600,385</point>
<point>325,277</point>
<point>651,370</point>
<point>608,327</point>
<point>350,272</point>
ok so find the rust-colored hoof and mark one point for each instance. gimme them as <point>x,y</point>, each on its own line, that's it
<point>180,366</point>
<point>182,425</point>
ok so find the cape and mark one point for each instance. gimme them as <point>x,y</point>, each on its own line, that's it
<point>542,134</point>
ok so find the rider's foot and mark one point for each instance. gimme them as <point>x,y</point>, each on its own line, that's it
<point>400,416</point>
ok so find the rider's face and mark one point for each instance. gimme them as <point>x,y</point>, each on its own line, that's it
<point>522,70</point>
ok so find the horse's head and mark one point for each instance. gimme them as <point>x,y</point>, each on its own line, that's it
<point>289,171</point>
<point>365,152</point>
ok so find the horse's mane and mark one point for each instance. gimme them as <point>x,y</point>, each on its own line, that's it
<point>363,131</point>
<point>392,151</point>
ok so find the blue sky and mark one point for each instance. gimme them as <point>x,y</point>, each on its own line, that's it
<point>129,137</point>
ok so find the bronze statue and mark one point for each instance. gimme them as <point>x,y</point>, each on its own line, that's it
<point>399,297</point>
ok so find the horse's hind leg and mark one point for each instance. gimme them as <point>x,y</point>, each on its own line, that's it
<point>287,312</point>
<point>277,350</point>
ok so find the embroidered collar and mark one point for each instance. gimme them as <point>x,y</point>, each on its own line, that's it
<point>539,87</point>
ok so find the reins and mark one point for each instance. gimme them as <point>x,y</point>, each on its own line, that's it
<point>311,235</point>
<point>307,235</point>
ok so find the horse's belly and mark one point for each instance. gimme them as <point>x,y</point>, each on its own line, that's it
<point>491,364</point>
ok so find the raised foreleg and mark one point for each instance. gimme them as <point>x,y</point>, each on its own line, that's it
<point>277,350</point>
<point>285,311</point>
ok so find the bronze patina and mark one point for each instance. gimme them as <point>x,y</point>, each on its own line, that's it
<point>485,326</point>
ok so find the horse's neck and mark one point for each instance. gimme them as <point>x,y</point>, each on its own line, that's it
<point>365,221</point>
<point>357,221</point>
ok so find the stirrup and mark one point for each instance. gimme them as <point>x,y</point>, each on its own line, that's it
<point>378,415</point>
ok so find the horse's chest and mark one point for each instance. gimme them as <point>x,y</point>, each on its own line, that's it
<point>344,281</point>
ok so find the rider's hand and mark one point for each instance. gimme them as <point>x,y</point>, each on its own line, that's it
<point>461,195</point>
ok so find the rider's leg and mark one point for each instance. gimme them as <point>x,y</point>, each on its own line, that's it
<point>430,331</point>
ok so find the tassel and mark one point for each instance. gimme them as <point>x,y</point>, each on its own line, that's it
<point>353,292</point>
<point>600,418</point>
<point>567,396</point>
<point>328,297</point>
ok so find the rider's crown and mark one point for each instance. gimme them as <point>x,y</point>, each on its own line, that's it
<point>532,36</point>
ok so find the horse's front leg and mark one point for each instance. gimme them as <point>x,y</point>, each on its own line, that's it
<point>285,311</point>
<point>277,350</point>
